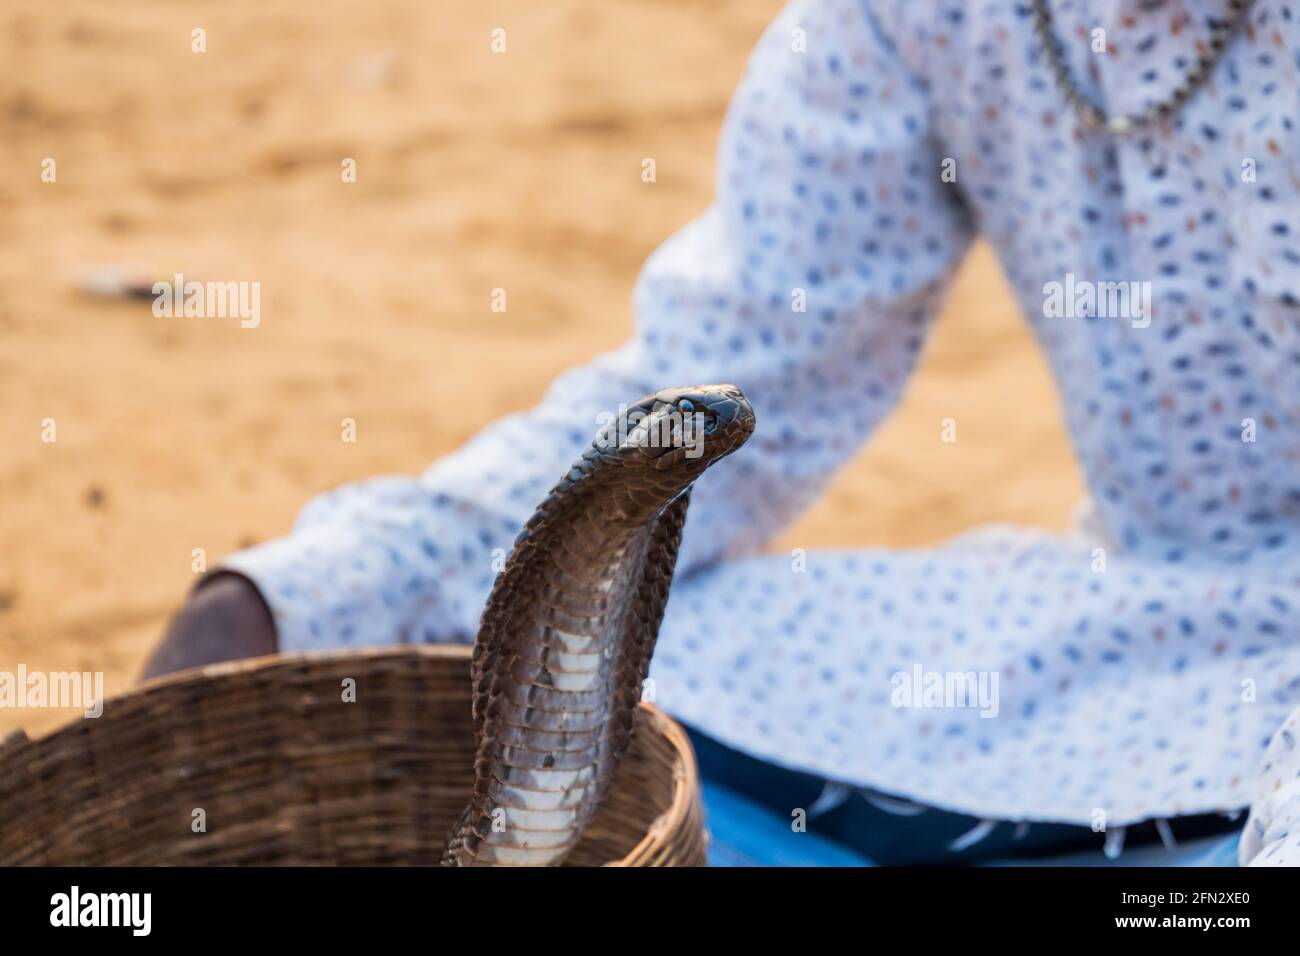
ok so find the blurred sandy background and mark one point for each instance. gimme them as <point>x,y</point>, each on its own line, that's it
<point>475,170</point>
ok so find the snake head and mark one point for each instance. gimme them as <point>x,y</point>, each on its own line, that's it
<point>681,430</point>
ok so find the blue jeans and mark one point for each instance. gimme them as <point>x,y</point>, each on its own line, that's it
<point>926,837</point>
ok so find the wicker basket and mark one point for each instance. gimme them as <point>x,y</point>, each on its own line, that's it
<point>286,772</point>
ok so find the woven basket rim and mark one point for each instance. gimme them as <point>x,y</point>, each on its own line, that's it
<point>686,785</point>
<point>222,668</point>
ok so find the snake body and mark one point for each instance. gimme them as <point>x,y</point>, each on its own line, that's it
<point>566,637</point>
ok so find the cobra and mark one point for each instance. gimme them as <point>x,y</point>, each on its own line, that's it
<point>566,637</point>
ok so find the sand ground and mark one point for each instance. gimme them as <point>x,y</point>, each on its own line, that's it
<point>474,171</point>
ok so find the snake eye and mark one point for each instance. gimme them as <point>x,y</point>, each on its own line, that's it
<point>686,405</point>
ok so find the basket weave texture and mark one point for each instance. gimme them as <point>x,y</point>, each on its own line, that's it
<point>286,772</point>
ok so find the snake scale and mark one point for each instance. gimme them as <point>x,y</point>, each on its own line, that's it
<point>566,637</point>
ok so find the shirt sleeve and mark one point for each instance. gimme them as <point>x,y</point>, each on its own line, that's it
<point>809,282</point>
<point>1272,833</point>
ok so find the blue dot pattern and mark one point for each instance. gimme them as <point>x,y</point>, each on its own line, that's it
<point>1142,665</point>
<point>1272,834</point>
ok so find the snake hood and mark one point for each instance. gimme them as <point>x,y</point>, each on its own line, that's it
<point>567,633</point>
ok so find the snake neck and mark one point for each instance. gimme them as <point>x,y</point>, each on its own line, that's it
<point>563,648</point>
<point>568,631</point>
